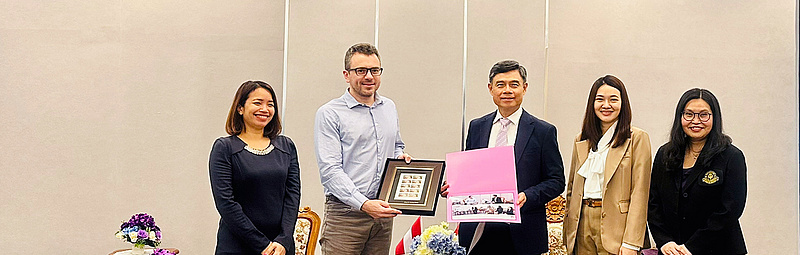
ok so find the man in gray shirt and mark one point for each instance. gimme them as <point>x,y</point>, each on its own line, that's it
<point>353,136</point>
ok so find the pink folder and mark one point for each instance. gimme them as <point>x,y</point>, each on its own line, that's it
<point>483,185</point>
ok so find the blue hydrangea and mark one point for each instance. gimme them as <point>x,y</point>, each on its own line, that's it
<point>440,243</point>
<point>437,240</point>
<point>416,242</point>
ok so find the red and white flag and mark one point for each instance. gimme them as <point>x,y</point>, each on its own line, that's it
<point>405,245</point>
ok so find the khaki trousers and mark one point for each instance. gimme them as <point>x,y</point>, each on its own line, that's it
<point>588,239</point>
<point>349,231</point>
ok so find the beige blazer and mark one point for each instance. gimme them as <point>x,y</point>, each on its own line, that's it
<point>626,185</point>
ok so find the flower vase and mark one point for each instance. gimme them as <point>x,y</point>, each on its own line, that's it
<point>138,249</point>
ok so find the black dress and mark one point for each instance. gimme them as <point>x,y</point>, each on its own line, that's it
<point>702,209</point>
<point>257,196</point>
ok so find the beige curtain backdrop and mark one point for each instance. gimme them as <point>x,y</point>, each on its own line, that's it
<point>109,108</point>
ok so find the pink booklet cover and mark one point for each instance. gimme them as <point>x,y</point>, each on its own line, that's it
<point>483,185</point>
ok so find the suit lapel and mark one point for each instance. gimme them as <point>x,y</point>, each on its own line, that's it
<point>695,173</point>
<point>582,149</point>
<point>612,161</point>
<point>485,130</point>
<point>524,131</point>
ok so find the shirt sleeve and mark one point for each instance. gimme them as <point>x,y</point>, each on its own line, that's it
<point>640,187</point>
<point>291,200</point>
<point>221,173</point>
<point>328,147</point>
<point>655,217</point>
<point>552,171</point>
<point>399,145</point>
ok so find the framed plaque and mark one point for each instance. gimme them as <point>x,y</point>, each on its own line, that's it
<point>412,188</point>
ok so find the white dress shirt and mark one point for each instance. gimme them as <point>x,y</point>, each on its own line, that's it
<point>512,128</point>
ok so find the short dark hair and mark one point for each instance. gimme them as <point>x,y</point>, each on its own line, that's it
<point>363,48</point>
<point>235,123</point>
<point>592,129</point>
<point>716,140</point>
<point>505,66</point>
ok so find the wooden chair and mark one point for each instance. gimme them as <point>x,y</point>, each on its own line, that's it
<point>556,210</point>
<point>173,250</point>
<point>306,231</point>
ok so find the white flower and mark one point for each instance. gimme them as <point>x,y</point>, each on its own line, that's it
<point>120,235</point>
<point>134,236</point>
<point>152,235</point>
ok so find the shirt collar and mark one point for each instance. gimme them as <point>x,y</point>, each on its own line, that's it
<point>352,102</point>
<point>608,136</point>
<point>514,117</point>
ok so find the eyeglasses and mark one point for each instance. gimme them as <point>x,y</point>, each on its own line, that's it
<point>363,71</point>
<point>703,116</point>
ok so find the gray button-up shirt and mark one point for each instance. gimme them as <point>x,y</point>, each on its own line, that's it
<point>352,142</point>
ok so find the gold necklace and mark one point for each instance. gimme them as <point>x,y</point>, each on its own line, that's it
<point>695,153</point>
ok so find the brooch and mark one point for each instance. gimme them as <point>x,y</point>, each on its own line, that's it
<point>710,177</point>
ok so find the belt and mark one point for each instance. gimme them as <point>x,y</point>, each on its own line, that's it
<point>593,202</point>
<point>333,198</point>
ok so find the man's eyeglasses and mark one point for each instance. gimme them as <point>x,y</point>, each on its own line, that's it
<point>363,71</point>
<point>703,116</point>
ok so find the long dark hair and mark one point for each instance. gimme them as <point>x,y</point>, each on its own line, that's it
<point>235,123</point>
<point>716,140</point>
<point>592,129</point>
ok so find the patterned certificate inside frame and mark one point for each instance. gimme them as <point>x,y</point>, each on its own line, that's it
<point>412,188</point>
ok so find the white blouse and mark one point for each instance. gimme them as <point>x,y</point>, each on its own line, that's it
<point>594,166</point>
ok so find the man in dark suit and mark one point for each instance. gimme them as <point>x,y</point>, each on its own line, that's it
<point>540,171</point>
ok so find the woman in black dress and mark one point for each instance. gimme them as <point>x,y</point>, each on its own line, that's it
<point>699,183</point>
<point>255,177</point>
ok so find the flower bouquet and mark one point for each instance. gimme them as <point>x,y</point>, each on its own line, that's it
<point>437,240</point>
<point>140,230</point>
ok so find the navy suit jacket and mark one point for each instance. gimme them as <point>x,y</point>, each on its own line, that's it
<point>540,174</point>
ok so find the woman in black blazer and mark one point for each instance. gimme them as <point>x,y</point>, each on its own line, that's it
<point>699,183</point>
<point>255,177</point>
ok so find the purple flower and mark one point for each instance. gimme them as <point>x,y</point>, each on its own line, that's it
<point>141,220</point>
<point>141,229</point>
<point>162,252</point>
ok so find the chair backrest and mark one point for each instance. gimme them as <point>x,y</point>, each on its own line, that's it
<point>556,209</point>
<point>306,231</point>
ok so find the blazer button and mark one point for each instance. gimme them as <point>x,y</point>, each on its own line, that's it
<point>685,194</point>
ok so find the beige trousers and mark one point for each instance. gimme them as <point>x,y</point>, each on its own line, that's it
<point>349,231</point>
<point>588,239</point>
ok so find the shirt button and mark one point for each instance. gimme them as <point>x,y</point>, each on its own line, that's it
<point>685,194</point>
<point>603,216</point>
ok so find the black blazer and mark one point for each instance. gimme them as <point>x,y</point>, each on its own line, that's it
<point>704,215</point>
<point>257,196</point>
<point>540,174</point>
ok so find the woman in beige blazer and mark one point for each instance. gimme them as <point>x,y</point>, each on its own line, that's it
<point>609,177</point>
